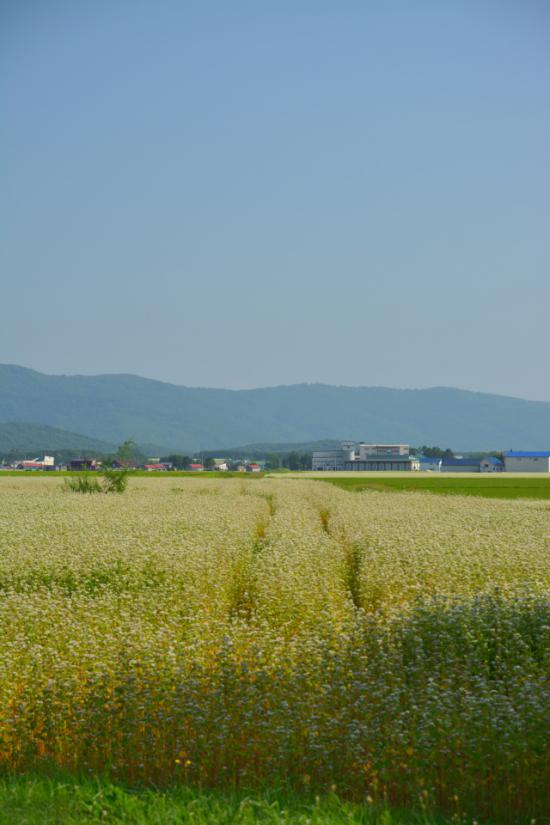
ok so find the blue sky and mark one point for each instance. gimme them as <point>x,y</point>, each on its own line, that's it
<point>249,194</point>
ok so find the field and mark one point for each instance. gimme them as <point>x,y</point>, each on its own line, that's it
<point>487,485</point>
<point>392,648</point>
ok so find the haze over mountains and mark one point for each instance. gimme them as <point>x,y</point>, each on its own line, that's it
<point>21,436</point>
<point>111,408</point>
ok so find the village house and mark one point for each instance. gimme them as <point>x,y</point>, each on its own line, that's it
<point>47,463</point>
<point>84,464</point>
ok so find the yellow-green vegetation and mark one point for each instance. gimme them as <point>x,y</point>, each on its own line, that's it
<point>63,799</point>
<point>392,647</point>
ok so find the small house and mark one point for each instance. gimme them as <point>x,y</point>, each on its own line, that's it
<point>84,464</point>
<point>47,463</point>
<point>490,464</point>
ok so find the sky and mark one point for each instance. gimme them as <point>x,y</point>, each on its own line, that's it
<point>258,193</point>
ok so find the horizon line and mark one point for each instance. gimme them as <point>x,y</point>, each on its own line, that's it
<point>273,386</point>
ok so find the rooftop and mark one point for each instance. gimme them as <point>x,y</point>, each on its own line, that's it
<point>527,454</point>
<point>457,462</point>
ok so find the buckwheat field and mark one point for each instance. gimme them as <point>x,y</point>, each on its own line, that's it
<point>233,633</point>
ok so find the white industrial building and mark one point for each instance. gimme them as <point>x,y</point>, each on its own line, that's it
<point>523,461</point>
<point>333,459</point>
<point>363,456</point>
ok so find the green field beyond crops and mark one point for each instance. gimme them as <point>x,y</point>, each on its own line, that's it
<point>487,486</point>
<point>217,639</point>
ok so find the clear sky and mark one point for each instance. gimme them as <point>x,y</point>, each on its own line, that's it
<point>243,194</point>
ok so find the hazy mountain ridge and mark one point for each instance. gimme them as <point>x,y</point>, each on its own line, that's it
<point>21,436</point>
<point>114,407</point>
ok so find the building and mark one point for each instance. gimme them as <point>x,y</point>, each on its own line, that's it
<point>366,457</point>
<point>368,452</point>
<point>430,465</point>
<point>47,463</point>
<point>84,464</point>
<point>460,465</point>
<point>220,464</point>
<point>375,457</point>
<point>253,467</point>
<point>524,461</point>
<point>333,459</point>
<point>196,467</point>
<point>490,464</point>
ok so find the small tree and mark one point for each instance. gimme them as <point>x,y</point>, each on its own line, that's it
<point>273,461</point>
<point>114,481</point>
<point>293,461</point>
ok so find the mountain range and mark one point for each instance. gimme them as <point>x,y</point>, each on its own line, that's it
<point>20,436</point>
<point>112,408</point>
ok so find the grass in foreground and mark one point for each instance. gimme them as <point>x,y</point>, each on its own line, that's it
<point>484,486</point>
<point>64,800</point>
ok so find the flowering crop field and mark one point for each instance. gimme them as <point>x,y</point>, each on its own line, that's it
<point>393,646</point>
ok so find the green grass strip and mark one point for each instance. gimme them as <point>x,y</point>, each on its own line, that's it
<point>36,800</point>
<point>484,486</point>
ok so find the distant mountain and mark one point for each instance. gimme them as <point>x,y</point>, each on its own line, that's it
<point>39,438</point>
<point>261,450</point>
<point>115,407</point>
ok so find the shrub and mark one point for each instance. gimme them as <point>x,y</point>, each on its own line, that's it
<point>114,481</point>
<point>83,484</point>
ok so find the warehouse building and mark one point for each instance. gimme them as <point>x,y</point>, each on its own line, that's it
<point>521,461</point>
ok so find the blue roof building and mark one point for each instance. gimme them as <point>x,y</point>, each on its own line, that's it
<point>527,454</point>
<point>491,464</point>
<point>527,461</point>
